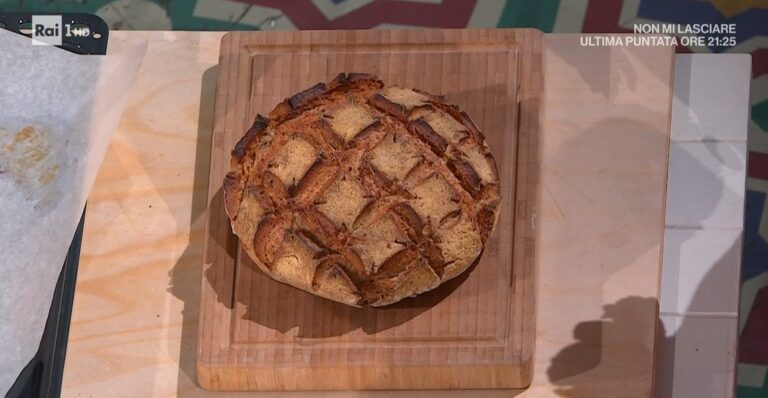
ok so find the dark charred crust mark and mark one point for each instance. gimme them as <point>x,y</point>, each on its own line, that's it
<point>339,80</point>
<point>453,110</point>
<point>331,268</point>
<point>421,108</point>
<point>397,262</point>
<point>282,112</point>
<point>464,119</point>
<point>354,266</point>
<point>424,131</point>
<point>486,217</point>
<point>321,270</point>
<point>490,194</point>
<point>256,193</point>
<point>466,175</point>
<point>259,127</point>
<point>322,230</point>
<point>374,290</point>
<point>302,98</point>
<point>337,272</point>
<point>323,136</point>
<point>409,216</point>
<point>364,215</point>
<point>378,183</point>
<point>268,238</point>
<point>315,181</point>
<point>374,178</point>
<point>398,189</point>
<point>465,137</point>
<point>233,194</point>
<point>450,219</point>
<point>314,243</point>
<point>415,172</point>
<point>433,97</point>
<point>366,133</point>
<point>273,189</point>
<point>389,107</point>
<point>435,259</point>
<point>345,80</point>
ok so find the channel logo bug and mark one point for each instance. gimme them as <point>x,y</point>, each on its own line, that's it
<point>46,30</point>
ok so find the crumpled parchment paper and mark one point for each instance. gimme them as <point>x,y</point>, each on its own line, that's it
<point>58,111</point>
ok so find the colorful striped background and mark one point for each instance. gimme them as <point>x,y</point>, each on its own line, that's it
<point>598,16</point>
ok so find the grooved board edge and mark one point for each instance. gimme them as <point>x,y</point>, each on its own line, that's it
<point>257,334</point>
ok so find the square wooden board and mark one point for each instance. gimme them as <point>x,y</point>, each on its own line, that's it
<point>476,331</point>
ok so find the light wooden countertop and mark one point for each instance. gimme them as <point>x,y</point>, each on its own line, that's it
<point>603,178</point>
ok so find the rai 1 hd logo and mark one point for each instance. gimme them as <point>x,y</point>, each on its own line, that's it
<point>49,30</point>
<point>46,30</point>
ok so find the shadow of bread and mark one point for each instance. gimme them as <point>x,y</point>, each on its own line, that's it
<point>343,318</point>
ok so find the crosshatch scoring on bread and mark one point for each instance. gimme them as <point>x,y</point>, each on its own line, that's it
<point>362,193</point>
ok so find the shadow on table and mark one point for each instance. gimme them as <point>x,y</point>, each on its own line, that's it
<point>584,368</point>
<point>185,277</point>
<point>601,362</point>
<point>345,319</point>
<point>603,63</point>
<point>614,349</point>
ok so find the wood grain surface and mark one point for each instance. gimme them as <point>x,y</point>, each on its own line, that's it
<point>475,331</point>
<point>602,177</point>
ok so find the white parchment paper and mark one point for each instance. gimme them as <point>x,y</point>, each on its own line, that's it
<point>58,111</point>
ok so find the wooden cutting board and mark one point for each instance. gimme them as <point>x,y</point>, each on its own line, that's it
<point>476,331</point>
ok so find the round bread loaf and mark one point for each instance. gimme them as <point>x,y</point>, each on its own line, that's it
<point>361,193</point>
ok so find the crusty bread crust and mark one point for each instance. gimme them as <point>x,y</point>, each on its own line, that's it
<point>361,193</point>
